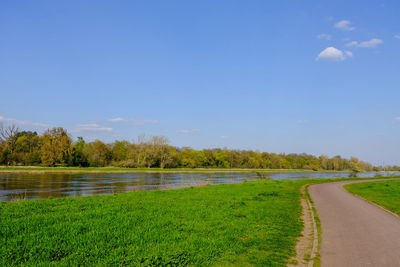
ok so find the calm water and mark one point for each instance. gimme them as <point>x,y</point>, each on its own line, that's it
<point>16,186</point>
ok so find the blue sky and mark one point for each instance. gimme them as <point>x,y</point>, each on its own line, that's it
<point>320,77</point>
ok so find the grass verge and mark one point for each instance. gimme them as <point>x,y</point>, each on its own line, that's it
<point>383,193</point>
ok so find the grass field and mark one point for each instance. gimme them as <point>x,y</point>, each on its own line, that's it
<point>384,193</point>
<point>139,170</point>
<point>253,223</point>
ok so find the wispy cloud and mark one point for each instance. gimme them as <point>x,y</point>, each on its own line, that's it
<point>225,136</point>
<point>116,120</point>
<point>332,54</point>
<point>397,119</point>
<point>397,36</point>
<point>352,43</point>
<point>324,36</point>
<point>137,122</point>
<point>348,53</point>
<point>23,123</point>
<point>188,131</point>
<point>374,42</point>
<point>344,25</point>
<point>371,43</point>
<point>90,127</point>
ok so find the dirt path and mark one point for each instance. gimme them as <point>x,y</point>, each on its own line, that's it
<point>354,232</point>
<point>308,242</point>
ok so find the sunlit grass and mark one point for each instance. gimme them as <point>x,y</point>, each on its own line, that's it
<point>254,223</point>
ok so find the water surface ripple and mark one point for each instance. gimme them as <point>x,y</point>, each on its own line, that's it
<point>17,186</point>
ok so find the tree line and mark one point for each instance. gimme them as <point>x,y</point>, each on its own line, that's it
<point>55,147</point>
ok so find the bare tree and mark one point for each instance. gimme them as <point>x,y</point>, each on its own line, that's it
<point>7,133</point>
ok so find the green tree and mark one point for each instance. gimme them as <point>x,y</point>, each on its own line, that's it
<point>98,154</point>
<point>120,150</point>
<point>27,146</point>
<point>78,156</point>
<point>56,147</point>
<point>222,159</point>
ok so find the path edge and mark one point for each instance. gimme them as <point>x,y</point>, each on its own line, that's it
<point>310,256</point>
<point>371,202</point>
<point>315,260</point>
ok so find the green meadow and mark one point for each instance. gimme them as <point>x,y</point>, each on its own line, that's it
<point>252,223</point>
<point>248,224</point>
<point>383,193</point>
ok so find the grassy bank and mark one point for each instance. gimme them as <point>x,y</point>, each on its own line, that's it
<point>383,193</point>
<point>141,170</point>
<point>250,223</point>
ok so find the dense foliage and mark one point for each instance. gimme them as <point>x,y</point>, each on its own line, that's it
<point>56,148</point>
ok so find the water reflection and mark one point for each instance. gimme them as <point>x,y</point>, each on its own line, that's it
<point>17,186</point>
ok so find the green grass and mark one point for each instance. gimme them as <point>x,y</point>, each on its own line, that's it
<point>383,193</point>
<point>136,170</point>
<point>253,223</point>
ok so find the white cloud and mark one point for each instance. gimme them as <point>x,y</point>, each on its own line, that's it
<point>397,119</point>
<point>324,36</point>
<point>397,36</point>
<point>188,131</point>
<point>331,54</point>
<point>353,43</point>
<point>374,42</point>
<point>90,127</point>
<point>344,25</point>
<point>348,53</point>
<point>371,43</point>
<point>116,120</point>
<point>133,121</point>
<point>225,136</point>
<point>21,123</point>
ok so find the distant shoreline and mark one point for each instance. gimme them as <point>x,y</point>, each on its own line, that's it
<point>37,169</point>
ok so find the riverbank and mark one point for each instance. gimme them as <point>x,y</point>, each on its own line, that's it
<point>148,170</point>
<point>252,223</point>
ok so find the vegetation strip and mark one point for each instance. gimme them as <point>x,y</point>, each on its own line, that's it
<point>144,170</point>
<point>55,147</point>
